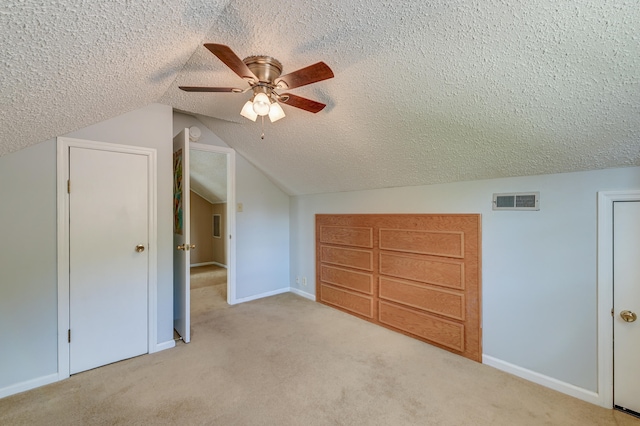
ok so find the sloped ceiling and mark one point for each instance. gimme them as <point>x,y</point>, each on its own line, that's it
<point>208,175</point>
<point>424,91</point>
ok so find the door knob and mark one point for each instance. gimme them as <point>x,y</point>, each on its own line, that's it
<point>193,246</point>
<point>139,248</point>
<point>628,316</point>
<point>182,247</point>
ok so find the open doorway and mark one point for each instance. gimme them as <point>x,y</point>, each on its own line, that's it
<point>211,217</point>
<point>214,166</point>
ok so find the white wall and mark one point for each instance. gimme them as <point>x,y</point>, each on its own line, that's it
<point>538,267</point>
<point>262,228</point>
<point>28,253</point>
<point>28,269</point>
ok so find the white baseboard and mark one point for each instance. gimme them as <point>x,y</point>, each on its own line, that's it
<point>541,379</point>
<point>278,291</point>
<point>51,378</point>
<point>165,345</point>
<point>29,384</point>
<point>193,265</point>
<point>262,295</point>
<point>302,293</point>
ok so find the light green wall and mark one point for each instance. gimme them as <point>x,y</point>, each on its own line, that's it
<point>28,292</point>
<point>539,304</point>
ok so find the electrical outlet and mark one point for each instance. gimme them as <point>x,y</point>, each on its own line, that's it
<point>304,281</point>
<point>298,279</point>
<point>240,208</point>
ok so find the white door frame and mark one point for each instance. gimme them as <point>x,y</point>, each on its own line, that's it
<point>605,290</point>
<point>231,214</point>
<point>63,145</point>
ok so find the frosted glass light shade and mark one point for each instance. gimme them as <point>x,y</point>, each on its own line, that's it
<point>276,112</point>
<point>248,112</point>
<point>261,104</point>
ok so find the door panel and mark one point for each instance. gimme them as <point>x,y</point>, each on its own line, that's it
<point>181,232</point>
<point>108,278</point>
<point>626,296</point>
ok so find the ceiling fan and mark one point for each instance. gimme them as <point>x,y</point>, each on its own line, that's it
<point>263,73</point>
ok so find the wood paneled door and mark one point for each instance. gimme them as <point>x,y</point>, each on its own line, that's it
<point>418,274</point>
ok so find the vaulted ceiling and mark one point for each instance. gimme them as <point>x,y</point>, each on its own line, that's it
<point>424,91</point>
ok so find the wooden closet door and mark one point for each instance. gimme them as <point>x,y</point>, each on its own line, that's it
<point>418,274</point>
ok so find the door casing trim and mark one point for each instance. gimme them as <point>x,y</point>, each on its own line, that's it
<point>62,159</point>
<point>605,290</point>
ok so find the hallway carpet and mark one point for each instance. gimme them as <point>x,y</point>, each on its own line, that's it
<point>285,360</point>
<point>207,275</point>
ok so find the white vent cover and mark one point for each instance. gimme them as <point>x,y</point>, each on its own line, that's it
<point>517,201</point>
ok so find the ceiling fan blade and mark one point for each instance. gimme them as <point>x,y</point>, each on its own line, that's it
<point>302,103</point>
<point>209,89</point>
<point>311,74</point>
<point>230,59</point>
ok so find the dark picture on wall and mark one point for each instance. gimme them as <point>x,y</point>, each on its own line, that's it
<point>216,226</point>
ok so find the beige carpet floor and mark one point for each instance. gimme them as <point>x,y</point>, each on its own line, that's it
<point>285,360</point>
<point>207,275</point>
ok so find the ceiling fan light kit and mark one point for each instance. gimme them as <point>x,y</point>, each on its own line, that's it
<point>261,104</point>
<point>263,74</point>
<point>248,112</point>
<point>276,112</point>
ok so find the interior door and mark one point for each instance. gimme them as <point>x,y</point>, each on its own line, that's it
<point>181,243</point>
<point>108,259</point>
<point>626,304</point>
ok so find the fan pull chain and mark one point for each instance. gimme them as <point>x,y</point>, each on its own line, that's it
<point>262,135</point>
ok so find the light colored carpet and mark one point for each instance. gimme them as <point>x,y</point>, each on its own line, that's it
<point>208,292</point>
<point>286,360</point>
<point>207,275</point>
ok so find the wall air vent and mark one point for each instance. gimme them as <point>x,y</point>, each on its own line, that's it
<point>517,201</point>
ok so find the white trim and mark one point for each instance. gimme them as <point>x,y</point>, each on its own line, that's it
<point>28,385</point>
<point>231,215</point>
<point>276,292</point>
<point>194,265</point>
<point>152,163</point>
<point>263,295</point>
<point>605,290</point>
<point>541,379</point>
<point>62,160</point>
<point>165,345</point>
<point>63,145</point>
<point>302,293</point>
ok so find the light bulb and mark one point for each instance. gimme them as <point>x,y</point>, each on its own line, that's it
<point>248,112</point>
<point>276,112</point>
<point>261,104</point>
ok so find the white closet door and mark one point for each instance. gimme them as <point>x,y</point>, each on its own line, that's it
<point>626,303</point>
<point>108,282</point>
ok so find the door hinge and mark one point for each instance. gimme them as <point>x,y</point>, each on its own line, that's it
<point>68,186</point>
<point>69,336</point>
<point>611,311</point>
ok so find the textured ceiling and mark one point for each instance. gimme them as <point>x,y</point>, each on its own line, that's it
<point>208,175</point>
<point>424,91</point>
<point>66,64</point>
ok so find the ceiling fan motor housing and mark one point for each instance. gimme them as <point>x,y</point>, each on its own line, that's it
<point>266,68</point>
